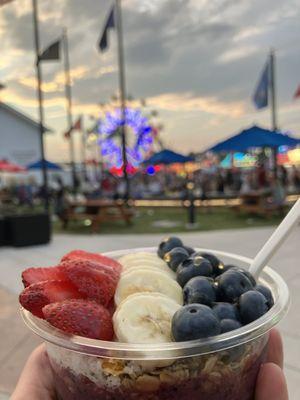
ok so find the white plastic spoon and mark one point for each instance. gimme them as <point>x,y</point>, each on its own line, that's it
<point>276,240</point>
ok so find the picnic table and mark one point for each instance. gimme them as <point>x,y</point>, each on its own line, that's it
<point>259,203</point>
<point>97,211</point>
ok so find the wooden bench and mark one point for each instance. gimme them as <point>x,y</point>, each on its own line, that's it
<point>258,203</point>
<point>97,211</point>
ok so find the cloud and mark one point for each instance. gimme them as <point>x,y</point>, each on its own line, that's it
<point>187,102</point>
<point>195,60</point>
<point>24,102</point>
<point>47,87</point>
<point>236,54</point>
<point>57,84</point>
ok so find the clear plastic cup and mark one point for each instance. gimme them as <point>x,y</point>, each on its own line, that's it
<point>223,367</point>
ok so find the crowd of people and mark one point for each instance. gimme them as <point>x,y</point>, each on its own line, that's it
<point>165,184</point>
<point>213,183</point>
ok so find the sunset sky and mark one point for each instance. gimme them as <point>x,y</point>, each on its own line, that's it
<point>196,61</point>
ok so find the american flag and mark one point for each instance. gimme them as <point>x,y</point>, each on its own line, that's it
<point>3,2</point>
<point>297,93</point>
<point>76,127</point>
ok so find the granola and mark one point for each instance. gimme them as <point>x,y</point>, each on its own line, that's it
<point>210,372</point>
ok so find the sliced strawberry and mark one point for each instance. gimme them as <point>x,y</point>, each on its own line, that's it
<point>111,307</point>
<point>34,275</point>
<point>99,258</point>
<point>80,317</point>
<point>96,282</point>
<point>113,273</point>
<point>37,295</point>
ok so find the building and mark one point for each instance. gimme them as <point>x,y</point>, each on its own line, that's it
<point>19,136</point>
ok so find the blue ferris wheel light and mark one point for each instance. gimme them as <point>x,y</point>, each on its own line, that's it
<point>108,129</point>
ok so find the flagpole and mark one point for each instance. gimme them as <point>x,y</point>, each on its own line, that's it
<point>273,103</point>
<point>40,100</point>
<point>273,90</point>
<point>122,94</point>
<point>68,92</point>
<point>83,153</point>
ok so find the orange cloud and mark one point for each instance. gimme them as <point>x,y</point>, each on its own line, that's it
<point>27,102</point>
<point>105,70</point>
<point>47,87</point>
<point>76,73</point>
<point>58,82</point>
<point>50,105</point>
<point>188,102</point>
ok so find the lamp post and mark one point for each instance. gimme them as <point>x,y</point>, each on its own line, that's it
<point>191,202</point>
<point>40,99</point>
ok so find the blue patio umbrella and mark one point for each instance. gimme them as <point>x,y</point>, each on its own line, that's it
<point>49,165</point>
<point>167,157</point>
<point>254,137</point>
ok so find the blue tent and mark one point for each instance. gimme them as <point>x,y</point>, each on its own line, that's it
<point>254,137</point>
<point>239,160</point>
<point>167,157</point>
<point>49,165</point>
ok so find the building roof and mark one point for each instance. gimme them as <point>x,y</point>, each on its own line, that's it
<point>22,116</point>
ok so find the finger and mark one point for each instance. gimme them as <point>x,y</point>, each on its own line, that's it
<point>271,384</point>
<point>275,348</point>
<point>36,381</point>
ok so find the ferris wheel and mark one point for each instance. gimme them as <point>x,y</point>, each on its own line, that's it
<point>139,138</point>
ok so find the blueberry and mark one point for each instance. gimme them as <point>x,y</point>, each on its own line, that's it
<point>244,272</point>
<point>215,262</point>
<point>226,311</point>
<point>252,305</point>
<point>228,325</point>
<point>193,267</point>
<point>231,285</point>
<point>175,257</point>
<point>199,290</point>
<point>190,250</point>
<point>167,245</point>
<point>194,321</point>
<point>267,293</point>
<point>223,268</point>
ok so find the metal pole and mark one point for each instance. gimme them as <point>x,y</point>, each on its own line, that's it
<point>122,94</point>
<point>40,99</point>
<point>68,92</point>
<point>98,174</point>
<point>191,202</point>
<point>273,103</point>
<point>83,153</point>
<point>273,90</point>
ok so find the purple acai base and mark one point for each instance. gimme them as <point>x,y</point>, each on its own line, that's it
<point>225,375</point>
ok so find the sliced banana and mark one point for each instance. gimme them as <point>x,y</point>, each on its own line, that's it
<point>139,260</point>
<point>142,259</point>
<point>145,318</point>
<point>170,273</point>
<point>149,264</point>
<point>140,254</point>
<point>147,280</point>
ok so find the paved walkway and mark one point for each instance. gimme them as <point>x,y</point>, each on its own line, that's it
<point>17,342</point>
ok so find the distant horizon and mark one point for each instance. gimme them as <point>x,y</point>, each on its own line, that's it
<point>196,64</point>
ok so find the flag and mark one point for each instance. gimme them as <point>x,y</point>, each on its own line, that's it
<point>67,134</point>
<point>297,93</point>
<point>76,127</point>
<point>94,128</point>
<point>51,53</point>
<point>261,94</point>
<point>3,2</point>
<point>110,23</point>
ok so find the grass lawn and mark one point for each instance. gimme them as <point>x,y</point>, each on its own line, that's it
<point>169,220</point>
